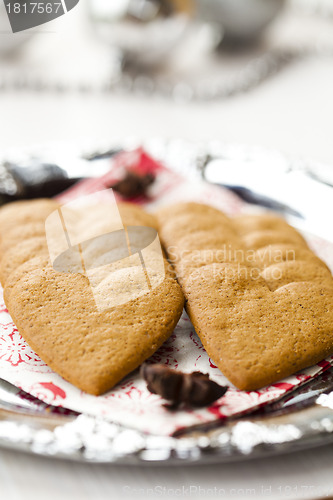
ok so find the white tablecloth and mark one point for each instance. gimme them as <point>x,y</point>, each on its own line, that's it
<point>291,112</point>
<point>300,475</point>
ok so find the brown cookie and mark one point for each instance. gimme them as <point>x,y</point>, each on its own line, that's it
<point>176,229</point>
<point>24,212</point>
<point>93,350</point>
<point>169,212</point>
<point>247,306</point>
<point>250,223</point>
<point>21,253</point>
<point>278,275</point>
<point>260,239</point>
<point>276,254</point>
<point>40,263</point>
<point>254,335</point>
<point>19,233</point>
<point>189,261</point>
<point>100,321</point>
<point>212,240</point>
<point>133,215</point>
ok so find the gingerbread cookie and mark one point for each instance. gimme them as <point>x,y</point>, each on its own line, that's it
<point>21,253</point>
<point>276,254</point>
<point>57,315</point>
<point>98,322</point>
<point>25,212</point>
<point>263,309</point>
<point>256,336</point>
<point>19,233</point>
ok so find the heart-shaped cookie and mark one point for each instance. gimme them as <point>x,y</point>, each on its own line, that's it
<point>260,300</point>
<point>19,254</point>
<point>98,322</point>
<point>57,315</point>
<point>254,335</point>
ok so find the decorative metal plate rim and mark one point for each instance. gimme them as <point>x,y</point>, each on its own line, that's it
<point>89,439</point>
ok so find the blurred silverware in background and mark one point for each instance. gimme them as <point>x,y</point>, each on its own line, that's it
<point>168,48</point>
<point>146,31</point>
<point>242,20</point>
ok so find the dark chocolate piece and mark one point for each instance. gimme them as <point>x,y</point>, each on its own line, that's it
<point>191,389</point>
<point>133,185</point>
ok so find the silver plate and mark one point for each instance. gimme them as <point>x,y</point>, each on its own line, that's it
<point>299,421</point>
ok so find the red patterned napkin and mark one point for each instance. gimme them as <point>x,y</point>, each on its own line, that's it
<point>130,403</point>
